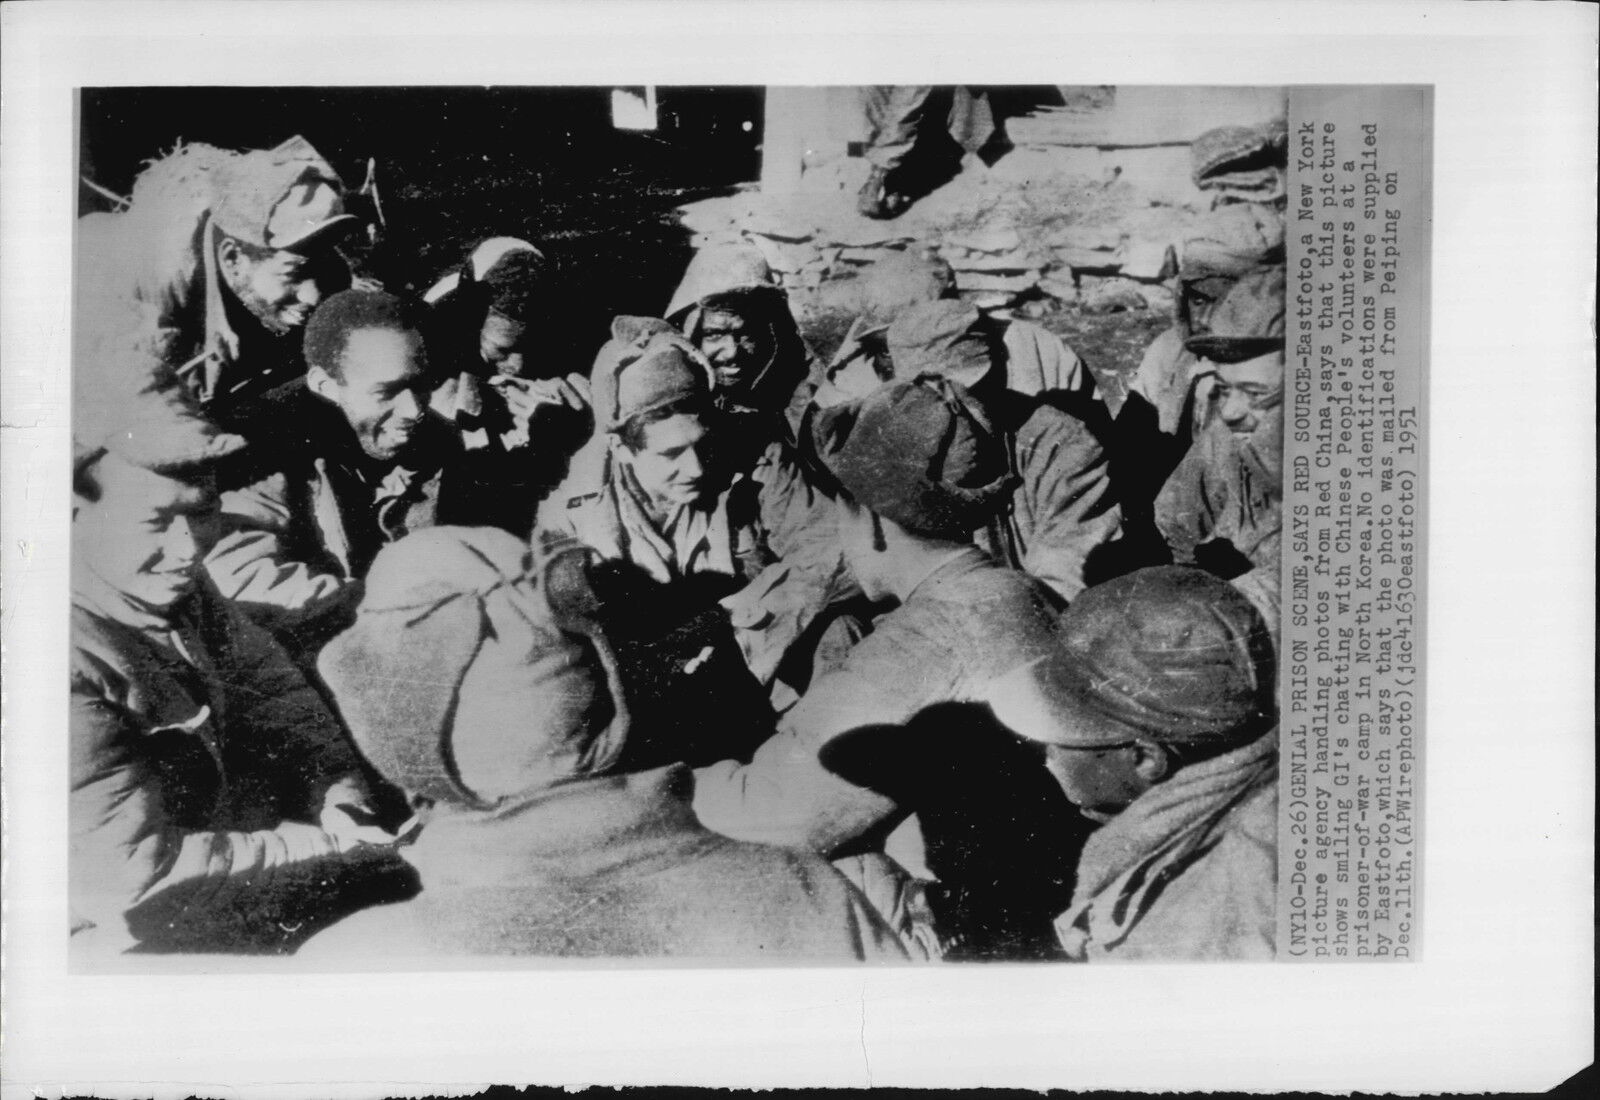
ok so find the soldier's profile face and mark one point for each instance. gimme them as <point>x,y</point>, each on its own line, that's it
<point>1100,782</point>
<point>384,391</point>
<point>279,290</point>
<point>146,533</point>
<point>671,462</point>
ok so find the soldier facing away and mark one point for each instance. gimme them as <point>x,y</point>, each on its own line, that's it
<point>920,468</point>
<point>478,680</point>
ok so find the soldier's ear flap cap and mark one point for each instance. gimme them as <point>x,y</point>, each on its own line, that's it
<point>1246,323</point>
<point>943,338</point>
<point>920,452</point>
<point>1170,654</point>
<point>475,672</point>
<point>287,198</point>
<point>155,429</point>
<point>1232,349</point>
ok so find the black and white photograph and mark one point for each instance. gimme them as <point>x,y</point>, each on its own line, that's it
<point>773,543</point>
<point>724,525</point>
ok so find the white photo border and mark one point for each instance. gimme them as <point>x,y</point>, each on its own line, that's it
<point>1503,997</point>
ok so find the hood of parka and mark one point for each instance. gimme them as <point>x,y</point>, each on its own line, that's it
<point>736,277</point>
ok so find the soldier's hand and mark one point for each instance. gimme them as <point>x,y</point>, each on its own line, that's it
<point>525,396</point>
<point>580,386</point>
<point>352,829</point>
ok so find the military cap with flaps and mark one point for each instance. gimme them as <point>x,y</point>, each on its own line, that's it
<point>646,365</point>
<point>155,426</point>
<point>921,452</point>
<point>284,198</point>
<point>475,673</point>
<point>888,288</point>
<point>1233,239</point>
<point>1169,653</point>
<point>1247,323</point>
<point>942,338</point>
<point>1237,149</point>
<point>901,280</point>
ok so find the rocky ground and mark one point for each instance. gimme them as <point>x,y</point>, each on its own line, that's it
<point>1032,236</point>
<point>1039,235</point>
<point>1070,236</point>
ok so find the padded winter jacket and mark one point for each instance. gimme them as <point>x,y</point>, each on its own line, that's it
<point>612,867</point>
<point>201,759</point>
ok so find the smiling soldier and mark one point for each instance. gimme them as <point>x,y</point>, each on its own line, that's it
<point>676,533</point>
<point>731,307</point>
<point>1222,506</point>
<point>215,804</point>
<point>1172,397</point>
<point>200,290</point>
<point>645,490</point>
<point>360,463</point>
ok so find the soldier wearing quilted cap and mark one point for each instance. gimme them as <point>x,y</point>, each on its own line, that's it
<point>1170,397</point>
<point>200,289</point>
<point>520,410</point>
<point>920,467</point>
<point>1230,283</point>
<point>215,803</point>
<point>675,531</point>
<point>645,489</point>
<point>730,306</point>
<point>477,678</point>
<point>1222,507</point>
<point>1035,360</point>
<point>1241,163</point>
<point>1157,710</point>
<point>1062,511</point>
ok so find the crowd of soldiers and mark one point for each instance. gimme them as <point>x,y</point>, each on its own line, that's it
<point>394,638</point>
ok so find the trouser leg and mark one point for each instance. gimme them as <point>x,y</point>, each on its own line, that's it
<point>894,116</point>
<point>971,118</point>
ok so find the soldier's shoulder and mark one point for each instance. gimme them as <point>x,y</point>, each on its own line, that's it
<point>102,656</point>
<point>1001,595</point>
<point>1058,420</point>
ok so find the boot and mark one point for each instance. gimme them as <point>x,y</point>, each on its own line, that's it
<point>874,200</point>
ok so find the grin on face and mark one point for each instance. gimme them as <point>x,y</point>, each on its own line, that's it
<point>145,533</point>
<point>382,388</point>
<point>279,289</point>
<point>1249,395</point>
<point>734,345</point>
